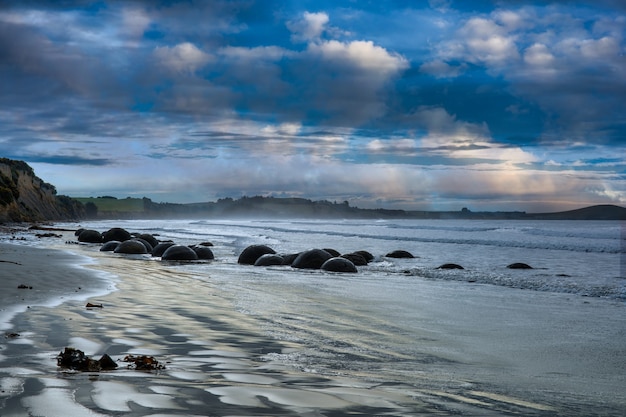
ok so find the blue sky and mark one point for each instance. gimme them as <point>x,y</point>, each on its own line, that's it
<point>428,105</point>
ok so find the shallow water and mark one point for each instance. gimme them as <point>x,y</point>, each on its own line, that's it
<point>398,338</point>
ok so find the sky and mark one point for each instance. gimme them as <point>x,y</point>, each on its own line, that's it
<point>424,105</point>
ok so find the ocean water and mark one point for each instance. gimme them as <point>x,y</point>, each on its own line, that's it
<point>485,340</point>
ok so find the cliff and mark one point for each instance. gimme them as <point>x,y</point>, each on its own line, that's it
<point>24,197</point>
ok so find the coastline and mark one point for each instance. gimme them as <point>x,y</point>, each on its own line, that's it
<point>218,359</point>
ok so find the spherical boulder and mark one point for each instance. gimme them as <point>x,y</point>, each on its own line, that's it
<point>269,259</point>
<point>333,252</point>
<point>133,247</point>
<point>519,265</point>
<point>253,252</point>
<point>356,258</point>
<point>399,254</point>
<point>450,266</point>
<point>147,244</point>
<point>311,259</point>
<point>149,238</point>
<point>90,236</point>
<point>179,253</point>
<point>158,250</point>
<point>365,254</point>
<point>109,246</point>
<point>116,233</point>
<point>339,264</point>
<point>203,252</point>
<point>78,232</point>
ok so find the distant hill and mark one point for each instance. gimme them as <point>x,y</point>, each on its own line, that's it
<point>271,207</point>
<point>599,212</point>
<point>24,197</point>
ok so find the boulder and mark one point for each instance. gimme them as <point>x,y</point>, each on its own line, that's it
<point>253,252</point>
<point>289,258</point>
<point>160,248</point>
<point>109,246</point>
<point>450,266</point>
<point>116,233</point>
<point>519,265</point>
<point>339,264</point>
<point>147,244</point>
<point>311,259</point>
<point>356,258</point>
<point>399,254</point>
<point>269,259</point>
<point>149,238</point>
<point>90,236</point>
<point>133,247</point>
<point>203,252</point>
<point>179,253</point>
<point>333,252</point>
<point>365,254</point>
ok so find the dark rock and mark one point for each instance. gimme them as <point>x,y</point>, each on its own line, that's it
<point>400,254</point>
<point>356,258</point>
<point>110,246</point>
<point>132,247</point>
<point>147,244</point>
<point>90,236</point>
<point>78,232</point>
<point>365,254</point>
<point>203,252</point>
<point>269,259</point>
<point>311,259</point>
<point>106,363</point>
<point>253,252</point>
<point>450,266</point>
<point>179,253</point>
<point>160,248</point>
<point>116,233</point>
<point>339,264</point>
<point>289,258</point>
<point>149,238</point>
<point>519,265</point>
<point>205,244</point>
<point>333,252</point>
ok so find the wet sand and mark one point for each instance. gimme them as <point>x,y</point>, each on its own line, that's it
<point>217,359</point>
<point>214,357</point>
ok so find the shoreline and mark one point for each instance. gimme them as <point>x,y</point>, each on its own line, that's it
<point>219,358</point>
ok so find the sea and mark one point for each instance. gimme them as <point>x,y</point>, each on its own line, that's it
<point>482,340</point>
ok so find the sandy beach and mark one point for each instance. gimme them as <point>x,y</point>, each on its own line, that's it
<point>218,360</point>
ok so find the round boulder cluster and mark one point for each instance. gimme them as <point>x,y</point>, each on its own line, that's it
<point>250,254</point>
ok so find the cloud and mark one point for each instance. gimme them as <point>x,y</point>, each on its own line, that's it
<point>309,27</point>
<point>184,58</point>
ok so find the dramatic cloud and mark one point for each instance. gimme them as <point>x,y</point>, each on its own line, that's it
<point>440,104</point>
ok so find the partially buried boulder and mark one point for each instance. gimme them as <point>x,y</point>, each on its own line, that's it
<point>179,253</point>
<point>269,259</point>
<point>145,243</point>
<point>160,248</point>
<point>203,252</point>
<point>519,265</point>
<point>450,266</point>
<point>116,233</point>
<point>253,252</point>
<point>339,264</point>
<point>400,254</point>
<point>311,259</point>
<point>110,246</point>
<point>90,236</point>
<point>149,238</point>
<point>365,254</point>
<point>131,247</point>
<point>355,258</point>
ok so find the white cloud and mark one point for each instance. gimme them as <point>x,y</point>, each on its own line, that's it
<point>487,42</point>
<point>309,27</point>
<point>184,58</point>
<point>376,60</point>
